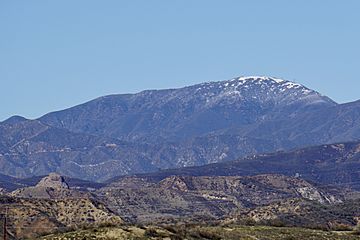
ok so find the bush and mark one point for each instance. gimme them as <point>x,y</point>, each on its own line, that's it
<point>171,229</point>
<point>357,230</point>
<point>273,223</point>
<point>209,235</point>
<point>151,232</point>
<point>247,222</point>
<point>340,227</point>
<point>176,237</point>
<point>200,233</point>
<point>107,224</point>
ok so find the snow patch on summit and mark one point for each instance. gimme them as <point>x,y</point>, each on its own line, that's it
<point>262,89</point>
<point>270,84</point>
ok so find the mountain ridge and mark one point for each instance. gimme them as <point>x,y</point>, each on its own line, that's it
<point>335,164</point>
<point>177,108</point>
<point>160,129</point>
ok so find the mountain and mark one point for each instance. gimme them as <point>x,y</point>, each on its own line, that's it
<point>9,184</point>
<point>52,206</point>
<point>300,212</point>
<point>329,164</point>
<point>189,111</point>
<point>161,129</point>
<point>53,186</point>
<point>32,148</point>
<point>204,198</point>
<point>29,218</point>
<point>269,199</point>
<point>74,183</point>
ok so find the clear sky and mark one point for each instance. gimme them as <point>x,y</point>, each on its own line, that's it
<point>56,54</point>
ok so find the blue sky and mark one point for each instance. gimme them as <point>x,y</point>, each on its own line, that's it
<point>56,54</point>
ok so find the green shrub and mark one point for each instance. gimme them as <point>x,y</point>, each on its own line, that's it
<point>209,235</point>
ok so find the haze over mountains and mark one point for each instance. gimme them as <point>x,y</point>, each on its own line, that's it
<point>196,125</point>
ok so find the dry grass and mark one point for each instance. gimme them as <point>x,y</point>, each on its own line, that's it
<point>203,232</point>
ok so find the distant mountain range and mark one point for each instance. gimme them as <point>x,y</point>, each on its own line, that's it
<point>191,126</point>
<point>330,164</point>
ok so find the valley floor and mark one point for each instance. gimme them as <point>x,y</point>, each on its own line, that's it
<point>203,232</point>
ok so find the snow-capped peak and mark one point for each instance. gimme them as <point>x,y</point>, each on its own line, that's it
<point>269,82</point>
<point>258,89</point>
<point>264,82</point>
<point>265,79</point>
<point>260,78</point>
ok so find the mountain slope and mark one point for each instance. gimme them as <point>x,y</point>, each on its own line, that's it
<point>212,198</point>
<point>29,218</point>
<point>33,148</point>
<point>330,164</point>
<point>161,129</point>
<point>187,112</point>
<point>305,213</point>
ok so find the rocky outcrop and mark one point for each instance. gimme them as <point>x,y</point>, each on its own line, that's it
<point>52,186</point>
<point>207,197</point>
<point>174,183</point>
<point>54,180</point>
